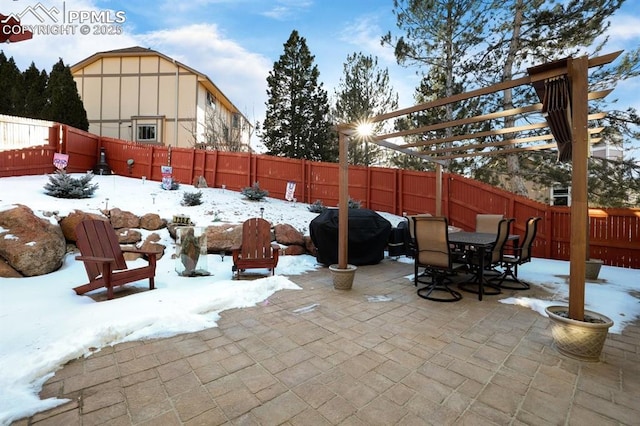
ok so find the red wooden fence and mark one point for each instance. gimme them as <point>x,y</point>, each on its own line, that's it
<point>614,234</point>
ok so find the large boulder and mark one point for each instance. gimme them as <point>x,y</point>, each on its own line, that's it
<point>221,238</point>
<point>128,236</point>
<point>309,246</point>
<point>123,219</point>
<point>68,224</point>
<point>287,235</point>
<point>151,244</point>
<point>152,222</point>
<point>294,250</point>
<point>30,245</point>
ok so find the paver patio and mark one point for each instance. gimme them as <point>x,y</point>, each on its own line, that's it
<point>375,355</point>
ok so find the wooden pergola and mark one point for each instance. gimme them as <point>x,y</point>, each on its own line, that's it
<point>562,87</point>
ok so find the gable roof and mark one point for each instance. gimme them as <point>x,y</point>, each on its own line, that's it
<point>135,51</point>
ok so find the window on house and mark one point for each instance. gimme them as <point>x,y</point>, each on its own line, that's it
<point>235,121</point>
<point>146,132</point>
<point>211,100</point>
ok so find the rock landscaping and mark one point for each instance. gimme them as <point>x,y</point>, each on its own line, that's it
<point>32,245</point>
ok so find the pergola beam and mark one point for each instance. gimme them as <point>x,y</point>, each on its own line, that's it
<point>483,145</point>
<point>465,121</point>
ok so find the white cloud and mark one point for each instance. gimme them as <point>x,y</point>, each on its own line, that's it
<point>625,27</point>
<point>239,73</point>
<point>365,33</point>
<point>286,9</point>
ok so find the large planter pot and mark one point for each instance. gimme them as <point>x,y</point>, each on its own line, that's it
<point>343,278</point>
<point>592,269</point>
<point>581,340</point>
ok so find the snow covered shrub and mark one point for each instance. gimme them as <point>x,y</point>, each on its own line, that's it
<point>254,192</point>
<point>191,198</point>
<point>61,185</point>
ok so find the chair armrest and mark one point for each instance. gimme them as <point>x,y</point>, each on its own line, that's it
<point>137,250</point>
<point>94,259</point>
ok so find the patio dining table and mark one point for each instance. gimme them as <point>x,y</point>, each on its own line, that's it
<point>482,242</point>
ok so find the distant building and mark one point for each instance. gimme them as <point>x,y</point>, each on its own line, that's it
<point>607,151</point>
<point>561,196</point>
<point>141,95</point>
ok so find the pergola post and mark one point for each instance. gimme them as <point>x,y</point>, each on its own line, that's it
<point>578,74</point>
<point>438,189</point>
<point>343,201</point>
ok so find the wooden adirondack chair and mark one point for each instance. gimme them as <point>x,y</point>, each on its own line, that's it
<point>104,260</point>
<point>256,251</point>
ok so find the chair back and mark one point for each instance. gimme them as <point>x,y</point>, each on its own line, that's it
<point>488,223</point>
<point>97,238</point>
<point>256,239</point>
<point>529,237</point>
<point>504,227</point>
<point>432,241</point>
<point>411,226</point>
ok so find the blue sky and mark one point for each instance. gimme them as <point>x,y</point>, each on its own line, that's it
<point>236,42</point>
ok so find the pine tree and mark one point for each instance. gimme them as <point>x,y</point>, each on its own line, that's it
<point>439,35</point>
<point>296,123</point>
<point>35,100</point>
<point>514,34</point>
<point>364,91</point>
<point>11,87</point>
<point>64,103</point>
<point>526,32</point>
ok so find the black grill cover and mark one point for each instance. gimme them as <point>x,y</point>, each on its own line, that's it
<point>368,236</point>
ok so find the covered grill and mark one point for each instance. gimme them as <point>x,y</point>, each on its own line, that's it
<point>368,236</point>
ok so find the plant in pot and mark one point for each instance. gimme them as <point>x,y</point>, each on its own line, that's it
<point>576,332</point>
<point>579,333</point>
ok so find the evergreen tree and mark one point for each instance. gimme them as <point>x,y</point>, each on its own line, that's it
<point>35,100</point>
<point>64,103</point>
<point>296,123</point>
<point>363,92</point>
<point>516,34</point>
<point>62,185</point>
<point>439,35</point>
<point>11,87</point>
<point>531,31</point>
